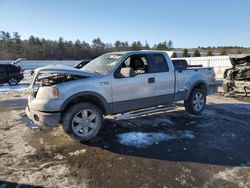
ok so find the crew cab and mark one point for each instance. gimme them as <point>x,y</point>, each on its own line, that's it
<point>113,83</point>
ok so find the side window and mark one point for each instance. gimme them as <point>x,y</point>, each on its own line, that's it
<point>138,63</point>
<point>180,64</point>
<point>160,63</point>
<point>135,64</point>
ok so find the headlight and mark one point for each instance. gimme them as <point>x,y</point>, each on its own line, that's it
<point>47,93</point>
<point>55,92</point>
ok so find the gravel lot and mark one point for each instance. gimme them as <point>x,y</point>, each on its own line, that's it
<point>170,149</point>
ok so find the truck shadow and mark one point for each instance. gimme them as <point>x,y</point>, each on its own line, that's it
<point>220,136</point>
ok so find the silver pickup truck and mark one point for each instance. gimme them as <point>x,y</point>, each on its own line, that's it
<point>113,83</point>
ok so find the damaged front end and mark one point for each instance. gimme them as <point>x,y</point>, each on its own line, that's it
<point>53,79</point>
<point>237,78</point>
<point>45,96</point>
<point>55,74</point>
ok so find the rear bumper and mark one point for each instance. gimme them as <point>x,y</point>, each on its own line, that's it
<point>43,118</point>
<point>213,88</point>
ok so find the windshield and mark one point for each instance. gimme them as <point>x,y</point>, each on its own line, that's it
<point>103,64</point>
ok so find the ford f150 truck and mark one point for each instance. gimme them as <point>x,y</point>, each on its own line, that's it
<point>113,83</point>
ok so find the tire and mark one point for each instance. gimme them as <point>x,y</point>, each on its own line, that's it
<point>82,121</point>
<point>196,102</point>
<point>13,81</point>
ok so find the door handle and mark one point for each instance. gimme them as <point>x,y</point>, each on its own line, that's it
<point>151,80</point>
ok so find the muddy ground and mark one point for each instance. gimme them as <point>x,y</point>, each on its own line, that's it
<point>211,150</point>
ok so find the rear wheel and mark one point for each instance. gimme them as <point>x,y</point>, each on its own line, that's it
<point>196,102</point>
<point>82,121</point>
<point>13,81</point>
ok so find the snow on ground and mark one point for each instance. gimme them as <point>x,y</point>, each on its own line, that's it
<point>237,175</point>
<point>143,140</point>
<point>19,87</point>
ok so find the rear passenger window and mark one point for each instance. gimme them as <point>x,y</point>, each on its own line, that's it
<point>180,64</point>
<point>160,63</point>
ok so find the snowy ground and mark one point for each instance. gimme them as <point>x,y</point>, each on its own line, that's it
<point>19,87</point>
<point>142,140</point>
<point>172,149</point>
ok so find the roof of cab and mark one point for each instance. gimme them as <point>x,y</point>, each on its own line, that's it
<point>138,52</point>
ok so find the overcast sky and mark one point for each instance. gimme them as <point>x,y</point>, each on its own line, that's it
<point>187,23</point>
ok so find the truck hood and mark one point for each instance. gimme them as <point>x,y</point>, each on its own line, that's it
<point>60,70</point>
<point>239,59</point>
<point>63,70</point>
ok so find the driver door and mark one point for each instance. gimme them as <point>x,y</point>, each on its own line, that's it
<point>135,92</point>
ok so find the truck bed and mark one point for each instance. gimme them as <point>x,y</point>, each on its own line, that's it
<point>185,78</point>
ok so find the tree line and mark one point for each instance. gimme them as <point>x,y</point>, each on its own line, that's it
<point>35,48</point>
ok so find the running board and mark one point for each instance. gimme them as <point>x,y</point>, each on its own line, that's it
<point>147,111</point>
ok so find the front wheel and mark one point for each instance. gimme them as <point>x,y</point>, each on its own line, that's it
<point>82,121</point>
<point>196,102</point>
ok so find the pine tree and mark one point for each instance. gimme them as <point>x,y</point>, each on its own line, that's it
<point>170,45</point>
<point>118,45</point>
<point>136,45</point>
<point>174,55</point>
<point>185,53</point>
<point>209,52</point>
<point>146,47</point>
<point>196,53</point>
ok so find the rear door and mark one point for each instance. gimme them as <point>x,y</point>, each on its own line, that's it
<point>164,78</point>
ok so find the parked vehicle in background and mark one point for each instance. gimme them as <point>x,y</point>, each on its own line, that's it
<point>113,83</point>
<point>10,74</point>
<point>81,64</point>
<point>237,78</point>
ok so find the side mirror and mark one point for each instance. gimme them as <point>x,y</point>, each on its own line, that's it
<point>125,72</point>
